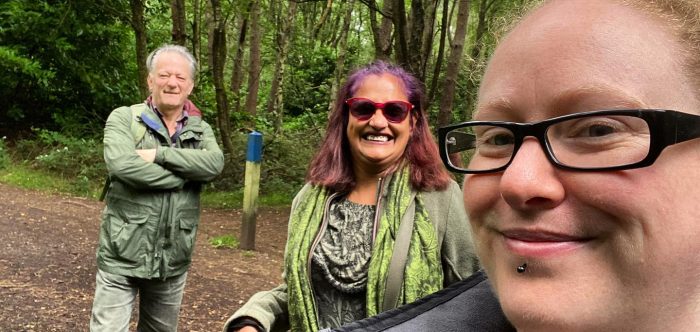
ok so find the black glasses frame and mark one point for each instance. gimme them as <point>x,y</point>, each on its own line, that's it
<point>666,128</point>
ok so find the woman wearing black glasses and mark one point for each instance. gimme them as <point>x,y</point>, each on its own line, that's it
<point>582,180</point>
<point>380,222</point>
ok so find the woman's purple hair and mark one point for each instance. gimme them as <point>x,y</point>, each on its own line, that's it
<point>332,166</point>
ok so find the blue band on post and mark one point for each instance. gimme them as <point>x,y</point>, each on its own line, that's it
<point>254,153</point>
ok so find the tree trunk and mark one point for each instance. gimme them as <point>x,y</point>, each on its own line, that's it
<point>196,34</point>
<point>382,34</point>
<point>398,17</point>
<point>217,55</point>
<point>414,43</point>
<point>485,6</point>
<point>333,34</point>
<point>254,66</point>
<point>138,23</point>
<point>428,35</point>
<point>441,53</point>
<point>324,16</point>
<point>177,11</point>
<point>453,64</point>
<point>237,73</point>
<point>275,105</point>
<point>342,51</point>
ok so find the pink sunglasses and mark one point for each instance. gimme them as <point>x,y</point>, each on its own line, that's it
<point>394,111</point>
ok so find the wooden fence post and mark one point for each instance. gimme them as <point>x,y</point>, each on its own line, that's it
<point>250,192</point>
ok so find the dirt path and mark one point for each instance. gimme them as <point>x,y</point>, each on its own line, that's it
<point>47,263</point>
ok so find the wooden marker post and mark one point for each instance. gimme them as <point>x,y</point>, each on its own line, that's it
<point>250,192</point>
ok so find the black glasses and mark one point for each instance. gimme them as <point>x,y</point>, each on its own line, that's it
<point>590,141</point>
<point>394,111</point>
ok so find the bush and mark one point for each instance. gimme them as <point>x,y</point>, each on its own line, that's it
<point>285,159</point>
<point>286,156</point>
<point>71,156</point>
<point>4,155</point>
<point>78,159</point>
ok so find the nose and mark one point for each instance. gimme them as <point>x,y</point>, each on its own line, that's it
<point>172,80</point>
<point>531,182</point>
<point>378,121</point>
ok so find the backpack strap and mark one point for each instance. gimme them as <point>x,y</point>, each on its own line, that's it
<point>138,130</point>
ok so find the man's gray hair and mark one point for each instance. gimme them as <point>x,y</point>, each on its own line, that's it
<point>150,61</point>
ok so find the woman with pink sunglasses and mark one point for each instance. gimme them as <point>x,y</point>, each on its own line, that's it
<point>380,222</point>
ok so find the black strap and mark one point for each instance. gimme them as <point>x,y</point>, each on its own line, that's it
<point>108,181</point>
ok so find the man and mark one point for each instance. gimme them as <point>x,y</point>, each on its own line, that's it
<point>582,178</point>
<point>158,155</point>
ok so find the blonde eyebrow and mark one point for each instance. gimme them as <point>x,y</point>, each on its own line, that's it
<point>616,98</point>
<point>500,105</point>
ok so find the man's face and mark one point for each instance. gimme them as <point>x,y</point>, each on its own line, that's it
<point>171,81</point>
<point>605,250</point>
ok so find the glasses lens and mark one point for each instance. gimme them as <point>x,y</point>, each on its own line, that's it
<point>362,109</point>
<point>600,141</point>
<point>395,111</point>
<point>479,147</point>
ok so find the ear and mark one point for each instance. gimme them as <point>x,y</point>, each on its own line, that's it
<point>149,80</point>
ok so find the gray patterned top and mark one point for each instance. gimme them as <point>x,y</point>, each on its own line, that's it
<point>341,262</point>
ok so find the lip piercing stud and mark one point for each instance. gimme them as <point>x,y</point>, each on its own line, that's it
<point>521,268</point>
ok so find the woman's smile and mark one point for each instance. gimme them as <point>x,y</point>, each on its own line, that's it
<point>541,244</point>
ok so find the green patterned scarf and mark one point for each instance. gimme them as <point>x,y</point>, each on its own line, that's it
<point>423,272</point>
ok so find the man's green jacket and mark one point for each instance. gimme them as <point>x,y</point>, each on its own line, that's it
<point>151,215</point>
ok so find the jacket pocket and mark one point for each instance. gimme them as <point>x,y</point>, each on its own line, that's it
<point>191,139</point>
<point>187,221</point>
<point>128,229</point>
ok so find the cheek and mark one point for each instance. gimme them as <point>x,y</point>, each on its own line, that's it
<point>188,87</point>
<point>653,210</point>
<point>656,242</point>
<point>650,194</point>
<point>402,134</point>
<point>481,196</point>
<point>351,130</point>
<point>158,86</point>
<point>481,193</point>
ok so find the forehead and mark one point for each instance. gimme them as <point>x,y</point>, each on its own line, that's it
<point>578,55</point>
<point>170,61</point>
<point>380,87</point>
